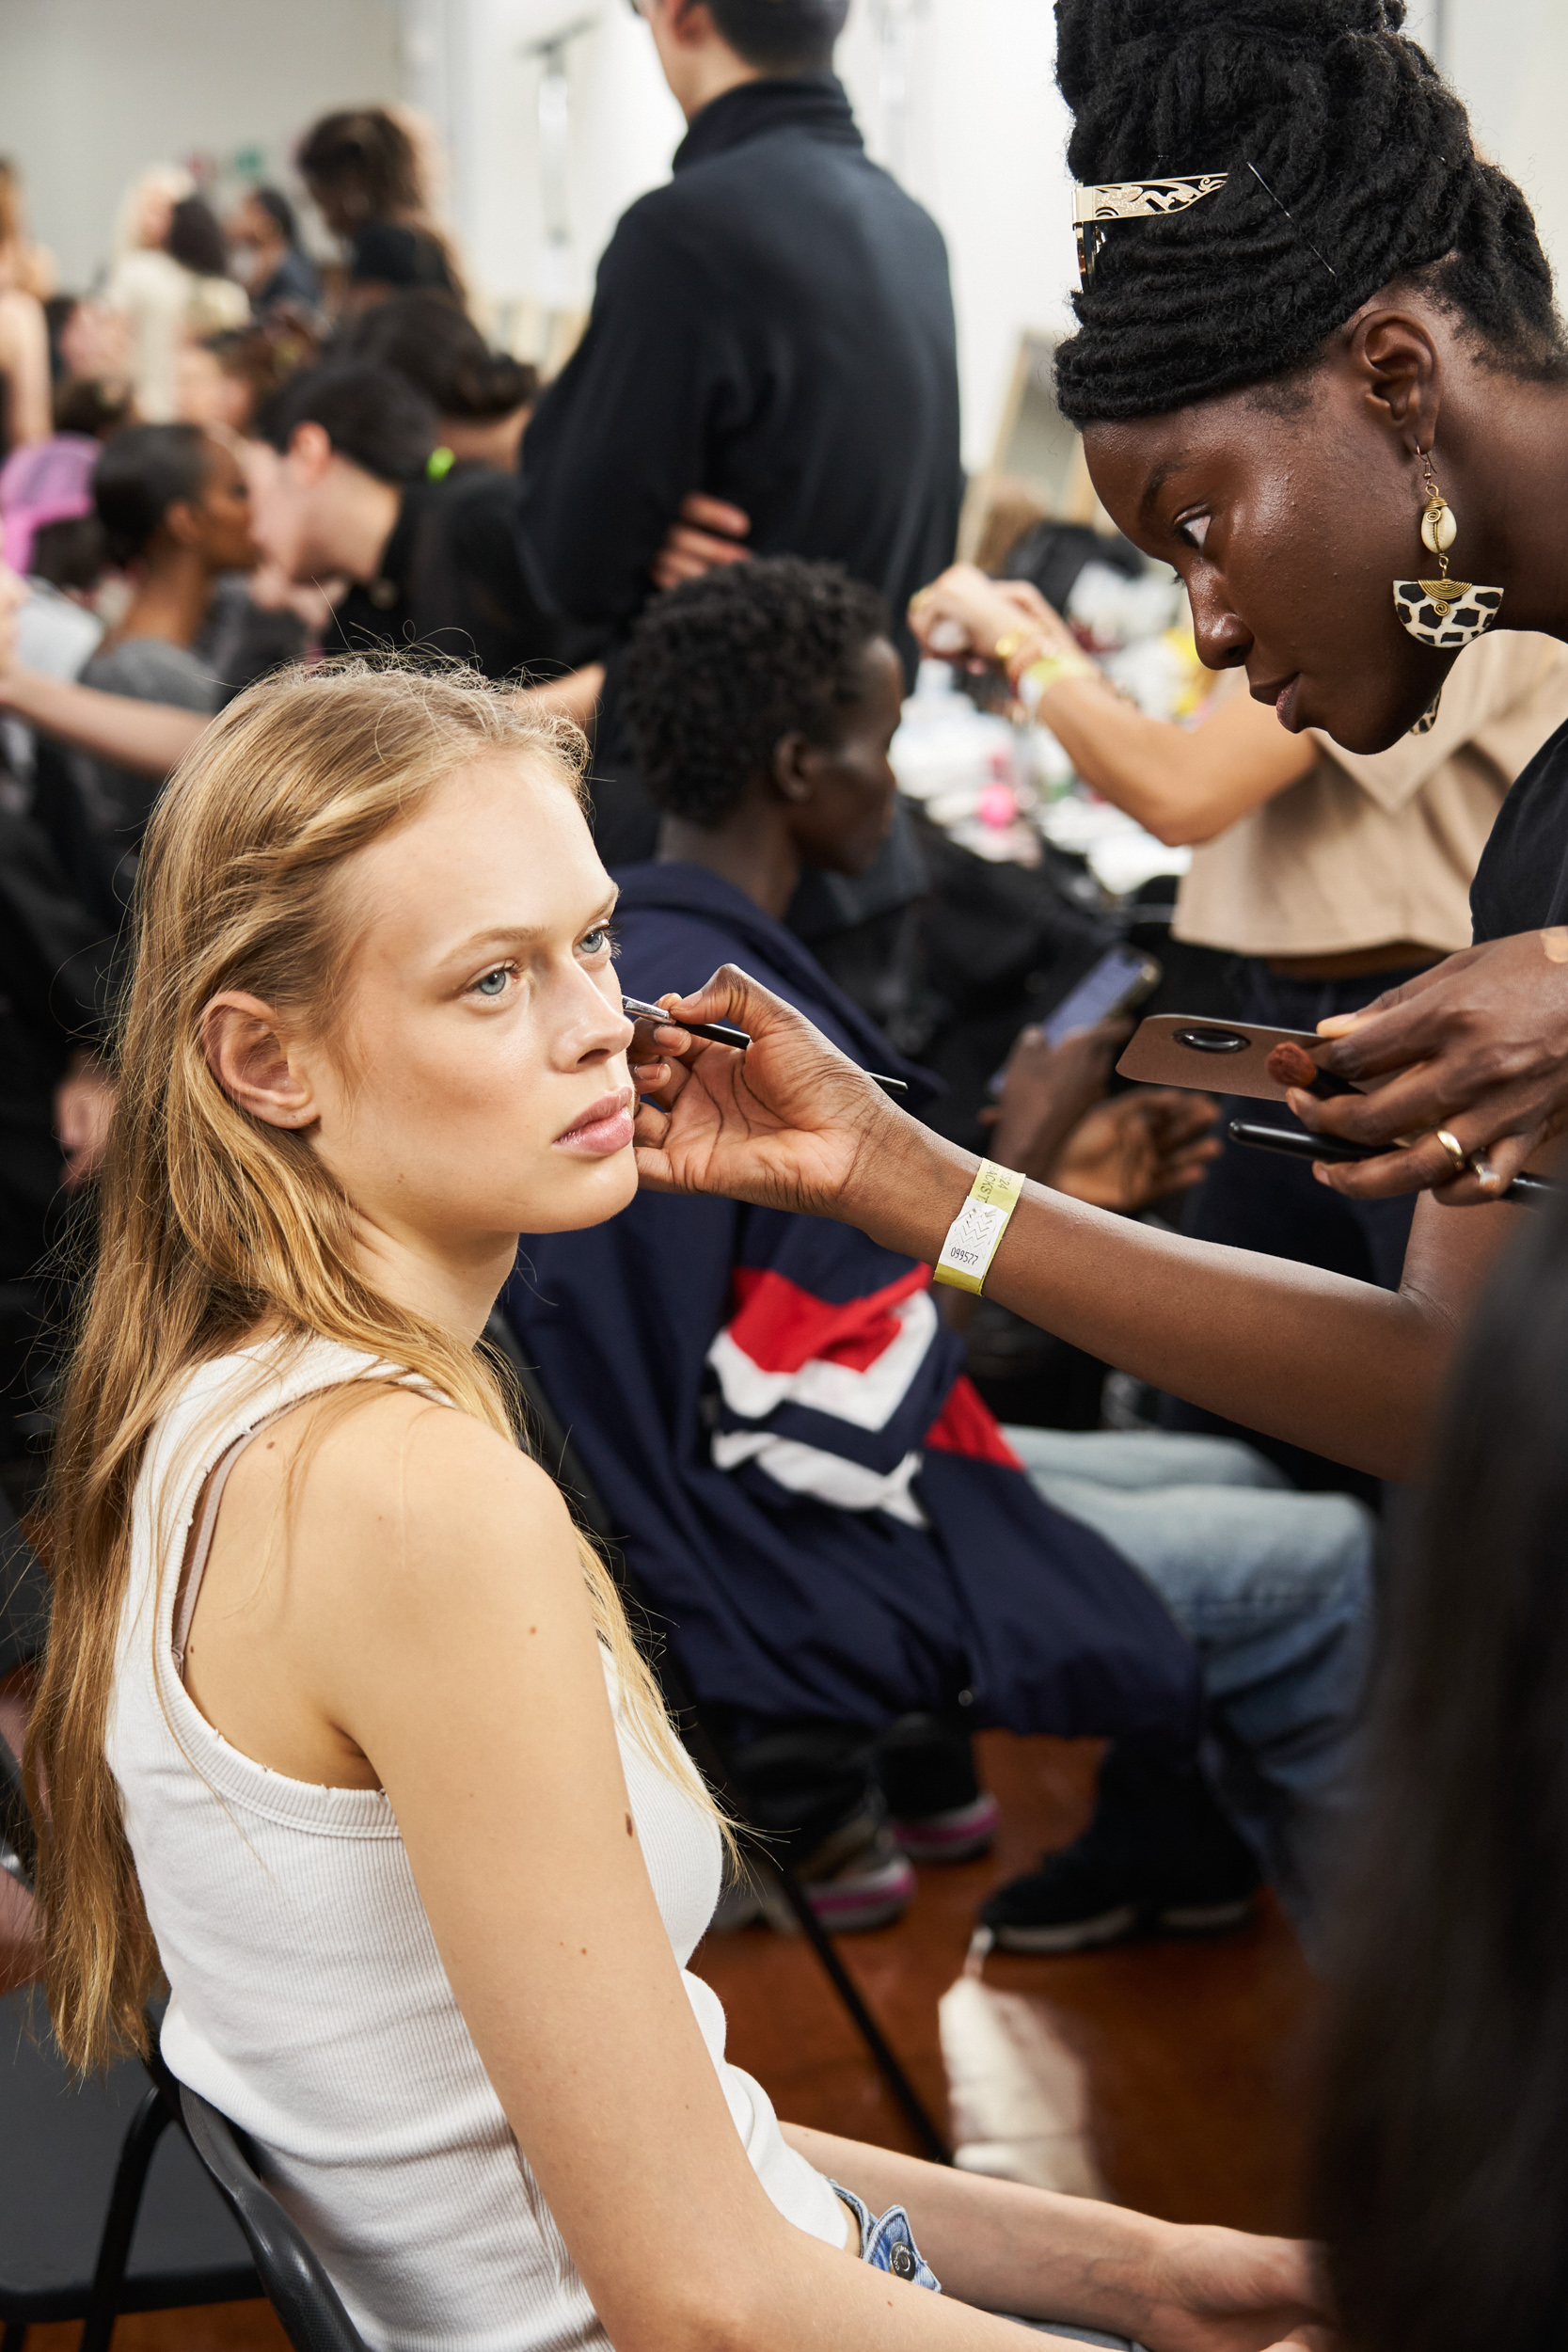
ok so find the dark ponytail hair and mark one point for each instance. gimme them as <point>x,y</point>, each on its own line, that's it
<point>144,471</point>
<point>434,343</point>
<point>1350,164</point>
<point>1442,2164</point>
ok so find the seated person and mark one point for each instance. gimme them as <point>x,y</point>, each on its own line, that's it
<point>776,1421</point>
<point>175,510</point>
<point>371,1769</point>
<point>482,397</point>
<point>344,489</point>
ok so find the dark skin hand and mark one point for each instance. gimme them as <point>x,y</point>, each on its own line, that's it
<point>1288,524</point>
<point>1449,1049</point>
<point>1053,1126</point>
<point>1342,1367</point>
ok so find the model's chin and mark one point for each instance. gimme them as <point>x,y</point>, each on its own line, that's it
<point>583,1191</point>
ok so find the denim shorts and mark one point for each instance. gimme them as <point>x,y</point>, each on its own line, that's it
<point>887,2245</point>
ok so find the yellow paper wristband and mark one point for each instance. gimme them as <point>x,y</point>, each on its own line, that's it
<point>974,1233</point>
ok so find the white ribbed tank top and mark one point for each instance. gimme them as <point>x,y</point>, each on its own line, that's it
<point>307,2000</point>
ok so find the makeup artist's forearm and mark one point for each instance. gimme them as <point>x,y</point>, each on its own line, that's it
<point>1340,1367</point>
<point>151,738</point>
<point>1182,784</point>
<point>996,2244</point>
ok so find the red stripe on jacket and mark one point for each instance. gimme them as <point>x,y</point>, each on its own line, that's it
<point>783,1328</point>
<point>966,1424</point>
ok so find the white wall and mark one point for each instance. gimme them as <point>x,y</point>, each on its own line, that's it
<point>91,90</point>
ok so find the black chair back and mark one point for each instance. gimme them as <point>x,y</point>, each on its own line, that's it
<point>19,1853</point>
<point>296,2284</point>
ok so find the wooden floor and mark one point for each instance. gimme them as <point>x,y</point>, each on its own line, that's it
<point>1164,2074</point>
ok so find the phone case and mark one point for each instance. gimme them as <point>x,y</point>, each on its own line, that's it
<point>1182,1049</point>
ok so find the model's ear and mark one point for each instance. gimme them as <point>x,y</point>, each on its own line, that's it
<point>1399,371</point>
<point>248,1055</point>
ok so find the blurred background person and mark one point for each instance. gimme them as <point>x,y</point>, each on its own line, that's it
<point>772,330</point>
<point>24,263</point>
<point>265,253</point>
<point>484,398</point>
<point>227,379</point>
<point>169,281</point>
<point>27,278</point>
<point>89,364</point>
<point>345,491</point>
<point>370,185</point>
<point>175,510</point>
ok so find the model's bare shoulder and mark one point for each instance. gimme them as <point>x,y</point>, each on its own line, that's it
<point>404,1502</point>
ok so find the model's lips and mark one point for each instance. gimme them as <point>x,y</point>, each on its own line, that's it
<point>604,1127</point>
<point>1283,693</point>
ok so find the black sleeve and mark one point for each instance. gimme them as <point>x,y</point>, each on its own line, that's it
<point>57,962</point>
<point>618,439</point>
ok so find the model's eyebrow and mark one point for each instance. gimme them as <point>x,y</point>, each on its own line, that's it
<point>1157,482</point>
<point>501,938</point>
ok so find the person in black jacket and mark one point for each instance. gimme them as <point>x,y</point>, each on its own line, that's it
<point>772,329</point>
<point>349,481</point>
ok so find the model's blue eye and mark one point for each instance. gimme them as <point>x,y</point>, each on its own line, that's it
<point>598,941</point>
<point>493,983</point>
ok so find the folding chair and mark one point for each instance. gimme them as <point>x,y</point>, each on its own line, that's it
<point>562,1459</point>
<point>292,2277</point>
<point>98,2211</point>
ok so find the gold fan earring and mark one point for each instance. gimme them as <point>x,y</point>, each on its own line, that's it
<point>1445,612</point>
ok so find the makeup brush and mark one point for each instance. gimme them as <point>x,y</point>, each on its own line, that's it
<point>723,1033</point>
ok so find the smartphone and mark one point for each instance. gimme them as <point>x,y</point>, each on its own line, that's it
<point>1181,1049</point>
<point>1122,979</point>
<point>1532,1190</point>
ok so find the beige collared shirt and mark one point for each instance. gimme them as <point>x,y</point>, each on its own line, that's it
<point>1367,849</point>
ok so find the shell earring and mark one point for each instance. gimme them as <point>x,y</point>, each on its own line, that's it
<point>1443,612</point>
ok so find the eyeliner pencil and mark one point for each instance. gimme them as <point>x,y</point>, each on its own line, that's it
<point>723,1033</point>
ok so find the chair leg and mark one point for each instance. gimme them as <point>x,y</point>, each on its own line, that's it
<point>147,2127</point>
<point>931,2142</point>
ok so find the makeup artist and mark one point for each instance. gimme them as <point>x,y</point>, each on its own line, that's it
<point>1310,405</point>
<point>1327,876</point>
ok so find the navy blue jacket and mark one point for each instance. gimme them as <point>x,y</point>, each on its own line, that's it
<point>804,1482</point>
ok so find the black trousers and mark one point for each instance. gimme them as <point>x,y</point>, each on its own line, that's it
<point>1260,1200</point>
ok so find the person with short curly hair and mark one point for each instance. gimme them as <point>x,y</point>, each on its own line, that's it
<point>721,672</point>
<point>809,1489</point>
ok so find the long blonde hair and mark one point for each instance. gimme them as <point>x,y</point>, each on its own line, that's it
<point>210,1220</point>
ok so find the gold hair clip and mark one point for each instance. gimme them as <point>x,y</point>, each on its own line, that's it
<point>1133,199</point>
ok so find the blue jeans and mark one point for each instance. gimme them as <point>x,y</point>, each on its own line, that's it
<point>1272,1587</point>
<point>887,2245</point>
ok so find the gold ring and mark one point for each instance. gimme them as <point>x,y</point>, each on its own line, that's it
<point>1455,1151</point>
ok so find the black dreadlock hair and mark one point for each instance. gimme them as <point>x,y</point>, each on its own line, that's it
<point>1373,176</point>
<point>719,669</point>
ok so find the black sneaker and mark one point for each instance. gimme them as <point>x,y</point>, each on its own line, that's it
<point>1159,1858</point>
<point>937,1809</point>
